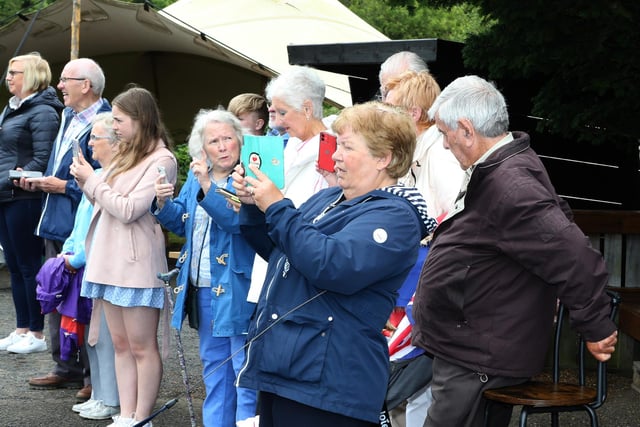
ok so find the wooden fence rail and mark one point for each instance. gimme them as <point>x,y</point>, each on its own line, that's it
<point>617,235</point>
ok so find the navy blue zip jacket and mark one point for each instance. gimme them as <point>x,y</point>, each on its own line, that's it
<point>26,138</point>
<point>59,210</point>
<point>334,270</point>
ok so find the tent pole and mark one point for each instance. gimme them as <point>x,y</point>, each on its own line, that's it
<point>75,29</point>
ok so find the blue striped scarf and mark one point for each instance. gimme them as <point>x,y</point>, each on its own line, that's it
<point>415,198</point>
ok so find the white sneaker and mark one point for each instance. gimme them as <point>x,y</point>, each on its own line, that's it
<point>118,421</point>
<point>100,411</point>
<point>13,338</point>
<point>84,406</point>
<point>249,422</point>
<point>29,344</point>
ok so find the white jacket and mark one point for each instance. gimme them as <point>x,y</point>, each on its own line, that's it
<point>438,174</point>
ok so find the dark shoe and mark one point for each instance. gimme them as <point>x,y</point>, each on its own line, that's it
<point>52,380</point>
<point>84,393</point>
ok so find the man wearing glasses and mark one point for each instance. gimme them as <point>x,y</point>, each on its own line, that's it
<point>81,84</point>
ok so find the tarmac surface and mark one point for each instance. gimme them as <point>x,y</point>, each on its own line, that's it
<point>21,405</point>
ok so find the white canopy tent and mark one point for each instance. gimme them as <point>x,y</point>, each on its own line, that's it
<point>262,30</point>
<point>210,51</point>
<point>136,44</point>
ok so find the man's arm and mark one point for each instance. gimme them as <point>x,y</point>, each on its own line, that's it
<point>48,184</point>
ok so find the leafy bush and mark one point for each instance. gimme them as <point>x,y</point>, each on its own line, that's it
<point>181,151</point>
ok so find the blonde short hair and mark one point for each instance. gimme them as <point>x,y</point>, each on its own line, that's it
<point>385,129</point>
<point>37,74</point>
<point>415,90</point>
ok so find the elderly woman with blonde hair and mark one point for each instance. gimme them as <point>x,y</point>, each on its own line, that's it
<point>316,352</point>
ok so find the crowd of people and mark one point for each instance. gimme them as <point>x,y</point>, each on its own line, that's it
<point>423,270</point>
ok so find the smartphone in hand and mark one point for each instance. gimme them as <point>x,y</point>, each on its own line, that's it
<point>75,148</point>
<point>163,173</point>
<point>228,195</point>
<point>17,174</point>
<point>267,154</point>
<point>327,148</point>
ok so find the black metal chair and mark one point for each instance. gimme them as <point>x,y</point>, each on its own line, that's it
<point>555,397</point>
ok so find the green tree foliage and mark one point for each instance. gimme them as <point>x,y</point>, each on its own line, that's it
<point>410,20</point>
<point>582,56</point>
<point>160,4</point>
<point>9,8</point>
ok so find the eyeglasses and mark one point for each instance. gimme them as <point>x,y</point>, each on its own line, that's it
<point>65,79</point>
<point>12,73</point>
<point>96,137</point>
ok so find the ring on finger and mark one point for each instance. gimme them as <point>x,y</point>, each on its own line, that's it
<point>252,191</point>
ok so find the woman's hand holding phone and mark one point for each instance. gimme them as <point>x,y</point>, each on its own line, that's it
<point>164,189</point>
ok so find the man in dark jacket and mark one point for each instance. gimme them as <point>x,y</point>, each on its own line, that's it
<point>81,84</point>
<point>487,293</point>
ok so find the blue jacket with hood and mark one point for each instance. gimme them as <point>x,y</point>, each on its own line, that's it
<point>334,270</point>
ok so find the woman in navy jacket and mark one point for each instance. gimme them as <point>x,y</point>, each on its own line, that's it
<point>316,351</point>
<point>28,126</point>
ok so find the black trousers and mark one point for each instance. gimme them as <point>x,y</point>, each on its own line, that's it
<point>276,411</point>
<point>457,397</point>
<point>72,369</point>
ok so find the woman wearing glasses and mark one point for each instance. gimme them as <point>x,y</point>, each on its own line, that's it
<point>28,126</point>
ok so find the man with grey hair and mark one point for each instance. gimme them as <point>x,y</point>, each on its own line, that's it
<point>81,84</point>
<point>397,64</point>
<point>486,297</point>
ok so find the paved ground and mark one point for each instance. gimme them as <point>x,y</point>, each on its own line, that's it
<point>22,406</point>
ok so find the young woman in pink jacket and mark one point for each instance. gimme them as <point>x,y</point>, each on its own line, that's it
<point>125,248</point>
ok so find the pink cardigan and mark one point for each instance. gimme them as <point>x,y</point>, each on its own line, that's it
<point>125,245</point>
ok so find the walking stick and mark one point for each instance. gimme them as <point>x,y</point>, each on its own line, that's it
<point>166,406</point>
<point>166,278</point>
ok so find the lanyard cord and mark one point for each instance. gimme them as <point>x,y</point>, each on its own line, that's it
<point>284,316</point>
<point>251,341</point>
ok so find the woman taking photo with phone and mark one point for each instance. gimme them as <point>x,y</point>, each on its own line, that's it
<point>126,249</point>
<point>215,264</point>
<point>316,351</point>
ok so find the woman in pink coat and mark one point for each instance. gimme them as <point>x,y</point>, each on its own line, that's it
<point>125,248</point>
